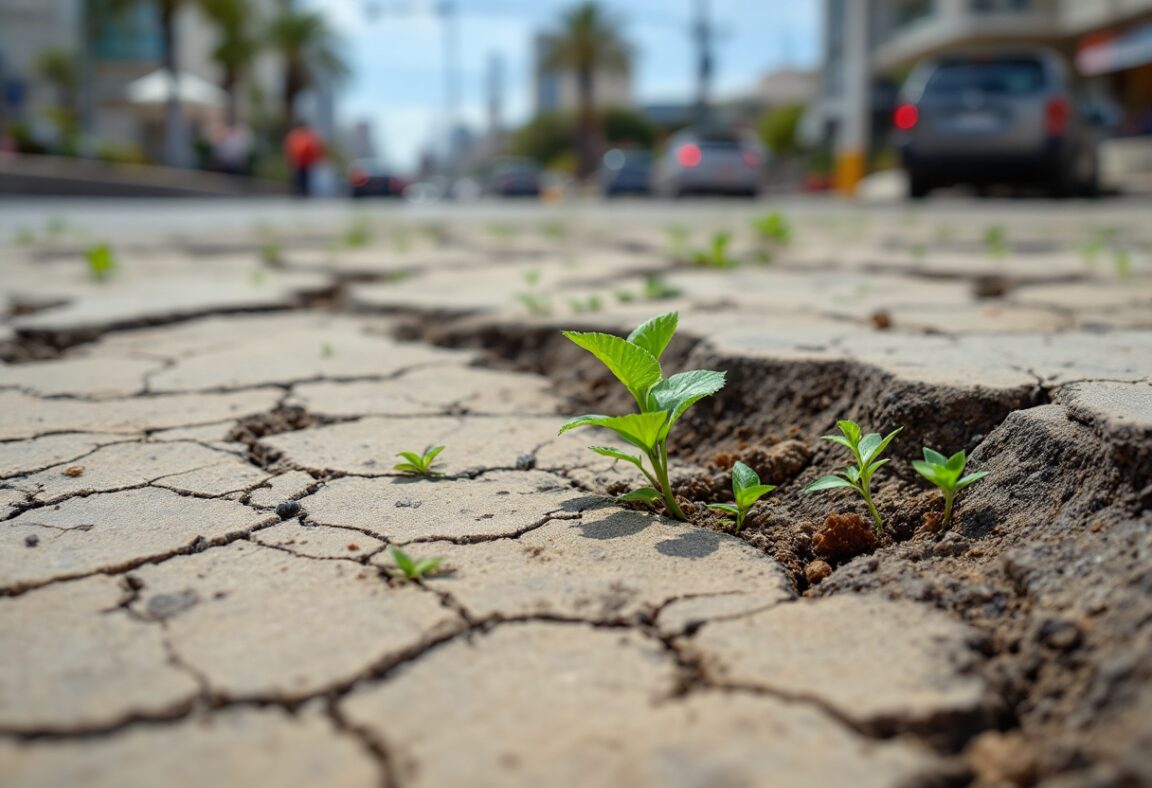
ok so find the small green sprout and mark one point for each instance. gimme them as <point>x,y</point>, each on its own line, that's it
<point>25,236</point>
<point>580,306</point>
<point>661,401</point>
<point>947,474</point>
<point>746,490</point>
<point>657,289</point>
<point>101,262</point>
<point>624,296</point>
<point>867,450</point>
<point>716,255</point>
<point>534,301</point>
<point>996,242</point>
<point>326,350</point>
<point>271,255</point>
<point>418,464</point>
<point>257,277</point>
<point>773,228</point>
<point>556,230</point>
<point>1122,262</point>
<point>358,234</point>
<point>413,570</point>
<point>678,237</point>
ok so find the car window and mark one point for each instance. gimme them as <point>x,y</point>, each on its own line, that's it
<point>1014,77</point>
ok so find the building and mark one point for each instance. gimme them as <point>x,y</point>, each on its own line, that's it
<point>557,91</point>
<point>1108,43</point>
<point>112,53</point>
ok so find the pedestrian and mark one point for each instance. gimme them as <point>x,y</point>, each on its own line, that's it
<point>232,148</point>
<point>302,149</point>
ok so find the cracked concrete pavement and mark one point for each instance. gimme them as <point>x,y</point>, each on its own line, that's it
<point>165,619</point>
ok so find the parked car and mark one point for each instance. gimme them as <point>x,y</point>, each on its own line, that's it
<point>370,178</point>
<point>514,178</point>
<point>625,172</point>
<point>709,161</point>
<point>985,117</point>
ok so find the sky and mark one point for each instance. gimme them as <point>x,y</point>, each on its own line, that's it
<point>397,58</point>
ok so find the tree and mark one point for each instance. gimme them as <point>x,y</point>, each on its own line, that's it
<point>58,68</point>
<point>308,48</point>
<point>778,128</point>
<point>547,138</point>
<point>588,43</point>
<point>237,45</point>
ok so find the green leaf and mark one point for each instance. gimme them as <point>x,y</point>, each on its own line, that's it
<point>616,454</point>
<point>403,561</point>
<point>411,456</point>
<point>934,457</point>
<point>682,391</point>
<point>407,467</point>
<point>654,335</point>
<point>928,470</point>
<point>872,445</point>
<point>850,429</point>
<point>632,365</point>
<point>426,566</point>
<point>431,454</point>
<point>970,479</point>
<point>743,477</point>
<point>956,463</point>
<point>639,429</point>
<point>842,441</point>
<point>750,495</point>
<point>727,508</point>
<point>828,483</point>
<point>644,495</point>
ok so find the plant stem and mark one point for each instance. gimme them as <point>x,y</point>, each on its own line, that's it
<point>948,497</point>
<point>872,508</point>
<point>660,463</point>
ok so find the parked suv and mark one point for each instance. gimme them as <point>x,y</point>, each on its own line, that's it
<point>700,161</point>
<point>994,117</point>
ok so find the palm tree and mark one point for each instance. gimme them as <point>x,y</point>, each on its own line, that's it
<point>58,68</point>
<point>236,47</point>
<point>308,48</point>
<point>587,44</point>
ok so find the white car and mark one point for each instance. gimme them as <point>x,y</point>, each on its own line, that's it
<point>710,162</point>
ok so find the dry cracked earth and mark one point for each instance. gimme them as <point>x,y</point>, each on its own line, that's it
<point>198,502</point>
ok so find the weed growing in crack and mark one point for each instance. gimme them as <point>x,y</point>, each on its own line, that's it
<point>996,242</point>
<point>746,490</point>
<point>947,473</point>
<point>867,450</point>
<point>635,362</point>
<point>418,464</point>
<point>716,254</point>
<point>271,255</point>
<point>678,236</point>
<point>413,569</point>
<point>657,289</point>
<point>358,234</point>
<point>590,304</point>
<point>102,263</point>
<point>773,232</point>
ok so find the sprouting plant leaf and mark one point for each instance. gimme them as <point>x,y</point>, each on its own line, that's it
<point>661,402</point>
<point>996,242</point>
<point>648,495</point>
<point>624,296</point>
<point>633,365</point>
<point>678,236</point>
<point>358,234</point>
<point>418,464</point>
<point>536,303</point>
<point>326,350</point>
<point>746,491</point>
<point>656,289</point>
<point>773,228</point>
<point>716,255</point>
<point>411,569</point>
<point>947,473</point>
<point>102,263</point>
<point>257,277</point>
<point>531,277</point>
<point>867,450</point>
<point>270,254</point>
<point>1122,262</point>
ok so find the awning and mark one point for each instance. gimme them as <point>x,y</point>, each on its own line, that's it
<point>1104,53</point>
<point>191,89</point>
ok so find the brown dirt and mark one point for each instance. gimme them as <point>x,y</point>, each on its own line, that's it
<point>843,537</point>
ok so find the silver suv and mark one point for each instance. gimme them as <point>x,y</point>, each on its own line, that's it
<point>1006,117</point>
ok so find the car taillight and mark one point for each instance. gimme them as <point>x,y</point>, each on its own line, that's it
<point>751,159</point>
<point>1056,116</point>
<point>906,117</point>
<point>357,177</point>
<point>688,155</point>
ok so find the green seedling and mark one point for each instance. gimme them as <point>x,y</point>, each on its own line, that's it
<point>1122,263</point>
<point>536,302</point>
<point>947,473</point>
<point>358,234</point>
<point>101,262</point>
<point>412,569</point>
<point>556,230</point>
<point>678,237</point>
<point>716,255</point>
<point>773,228</point>
<point>867,450</point>
<point>326,350</point>
<point>418,464</point>
<point>271,254</point>
<point>624,296</point>
<point>746,490</point>
<point>590,304</point>
<point>257,277</point>
<point>661,401</point>
<point>657,289</point>
<point>25,236</point>
<point>996,242</point>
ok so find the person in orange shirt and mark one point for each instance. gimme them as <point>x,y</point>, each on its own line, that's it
<point>302,149</point>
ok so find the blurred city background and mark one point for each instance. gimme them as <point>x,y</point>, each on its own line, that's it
<point>463,99</point>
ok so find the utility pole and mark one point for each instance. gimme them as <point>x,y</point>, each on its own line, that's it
<point>495,99</point>
<point>856,116</point>
<point>702,33</point>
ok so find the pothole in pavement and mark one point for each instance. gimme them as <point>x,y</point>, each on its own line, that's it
<point>1053,627</point>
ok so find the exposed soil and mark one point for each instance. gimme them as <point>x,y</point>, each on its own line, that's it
<point>1050,560</point>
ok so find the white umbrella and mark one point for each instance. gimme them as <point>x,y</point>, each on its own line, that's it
<point>193,91</point>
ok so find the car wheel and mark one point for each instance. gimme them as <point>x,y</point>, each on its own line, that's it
<point>918,186</point>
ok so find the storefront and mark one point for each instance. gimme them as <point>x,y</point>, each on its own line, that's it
<point>1118,63</point>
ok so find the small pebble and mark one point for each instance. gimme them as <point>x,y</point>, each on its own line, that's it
<point>525,461</point>
<point>817,571</point>
<point>408,503</point>
<point>287,509</point>
<point>31,540</point>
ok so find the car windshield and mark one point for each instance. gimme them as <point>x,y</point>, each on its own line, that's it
<point>1005,77</point>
